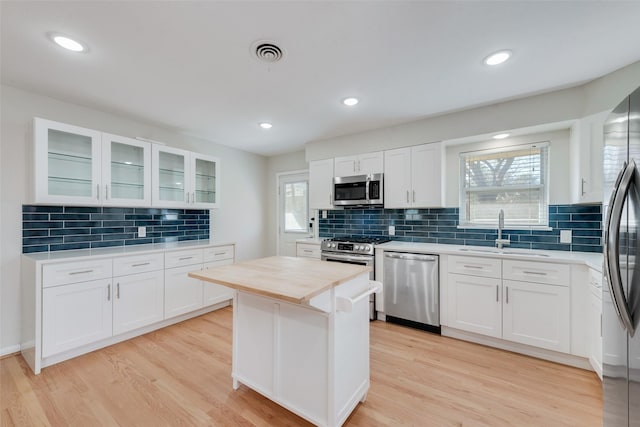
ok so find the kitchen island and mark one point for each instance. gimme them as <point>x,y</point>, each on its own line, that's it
<point>300,333</point>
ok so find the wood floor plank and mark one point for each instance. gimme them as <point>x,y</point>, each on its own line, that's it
<point>181,376</point>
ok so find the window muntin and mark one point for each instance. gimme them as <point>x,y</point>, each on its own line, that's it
<point>514,179</point>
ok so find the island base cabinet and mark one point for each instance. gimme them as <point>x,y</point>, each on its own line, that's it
<point>138,301</point>
<point>536,314</point>
<point>75,315</point>
<point>314,363</point>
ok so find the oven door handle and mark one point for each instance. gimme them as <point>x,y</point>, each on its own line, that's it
<point>345,257</point>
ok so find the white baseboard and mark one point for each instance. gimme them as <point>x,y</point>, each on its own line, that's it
<point>5,351</point>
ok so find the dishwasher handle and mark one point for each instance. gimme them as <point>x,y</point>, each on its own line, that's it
<point>411,257</point>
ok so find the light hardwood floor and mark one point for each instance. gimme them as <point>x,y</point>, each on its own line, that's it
<point>181,376</point>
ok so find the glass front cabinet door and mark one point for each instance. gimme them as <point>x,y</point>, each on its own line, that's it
<point>67,163</point>
<point>205,171</point>
<point>126,171</point>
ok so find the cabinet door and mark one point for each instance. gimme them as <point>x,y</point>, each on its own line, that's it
<point>397,178</point>
<point>213,293</point>
<point>75,315</point>
<point>182,294</point>
<point>170,176</point>
<point>475,304</point>
<point>369,163</point>
<point>205,181</point>
<point>346,166</point>
<point>595,330</point>
<point>138,301</point>
<point>586,142</point>
<point>67,163</point>
<point>537,314</point>
<point>321,184</point>
<point>426,175</point>
<point>126,171</point>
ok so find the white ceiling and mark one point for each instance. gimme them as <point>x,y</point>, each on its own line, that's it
<point>188,66</point>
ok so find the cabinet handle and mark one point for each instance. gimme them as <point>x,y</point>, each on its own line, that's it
<point>330,199</point>
<point>477,267</point>
<point>407,196</point>
<point>98,191</point>
<point>414,196</point>
<point>80,272</point>
<point>118,290</point>
<point>358,165</point>
<point>600,325</point>
<point>184,258</point>
<point>537,273</point>
<point>187,197</point>
<point>140,264</point>
<point>582,186</point>
<point>109,292</point>
<point>507,288</point>
<point>497,291</point>
<point>193,197</point>
<point>106,192</point>
<point>307,251</point>
<point>220,253</point>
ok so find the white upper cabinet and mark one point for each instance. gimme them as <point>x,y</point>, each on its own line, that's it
<point>586,144</point>
<point>321,184</point>
<point>185,179</point>
<point>67,163</point>
<point>362,164</point>
<point>413,177</point>
<point>126,171</point>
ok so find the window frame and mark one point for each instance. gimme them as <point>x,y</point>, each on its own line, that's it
<point>545,165</point>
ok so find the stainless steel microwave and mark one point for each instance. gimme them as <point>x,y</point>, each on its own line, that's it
<point>358,190</point>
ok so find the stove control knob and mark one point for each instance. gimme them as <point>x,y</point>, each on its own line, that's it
<point>332,245</point>
<point>367,248</point>
<point>357,247</point>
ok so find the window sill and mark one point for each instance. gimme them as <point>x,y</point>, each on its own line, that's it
<point>509,227</point>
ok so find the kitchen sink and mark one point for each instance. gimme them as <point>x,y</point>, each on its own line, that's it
<point>521,252</point>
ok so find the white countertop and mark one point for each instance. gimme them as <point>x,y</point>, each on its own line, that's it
<point>310,240</point>
<point>122,250</point>
<point>592,260</point>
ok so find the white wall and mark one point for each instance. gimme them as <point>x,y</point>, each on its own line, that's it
<point>243,188</point>
<point>276,164</point>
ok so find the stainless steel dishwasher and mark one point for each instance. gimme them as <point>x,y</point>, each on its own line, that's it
<point>411,289</point>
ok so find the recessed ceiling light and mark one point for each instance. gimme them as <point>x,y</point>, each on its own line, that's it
<point>497,57</point>
<point>350,102</point>
<point>500,136</point>
<point>266,125</point>
<point>67,42</point>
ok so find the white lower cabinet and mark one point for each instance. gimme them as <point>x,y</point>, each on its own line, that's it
<point>76,314</point>
<point>213,293</point>
<point>595,321</point>
<point>138,301</point>
<point>536,314</point>
<point>534,310</point>
<point>182,294</point>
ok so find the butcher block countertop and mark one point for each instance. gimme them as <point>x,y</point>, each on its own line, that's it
<point>290,279</point>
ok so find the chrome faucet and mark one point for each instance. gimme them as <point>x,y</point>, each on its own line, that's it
<point>500,242</point>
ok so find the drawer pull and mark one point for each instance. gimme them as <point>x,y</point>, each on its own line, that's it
<point>539,273</point>
<point>507,294</point>
<point>477,267</point>
<point>109,292</point>
<point>80,272</point>
<point>497,291</point>
<point>118,290</point>
<point>185,258</point>
<point>140,264</point>
<point>308,251</point>
<point>220,253</point>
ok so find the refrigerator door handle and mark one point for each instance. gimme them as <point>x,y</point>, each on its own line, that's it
<point>612,237</point>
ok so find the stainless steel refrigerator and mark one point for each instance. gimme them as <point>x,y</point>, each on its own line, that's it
<point>621,295</point>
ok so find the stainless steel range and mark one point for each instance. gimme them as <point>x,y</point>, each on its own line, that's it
<point>353,250</point>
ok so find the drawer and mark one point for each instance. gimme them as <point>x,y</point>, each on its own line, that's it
<point>218,253</point>
<point>475,266</point>
<point>181,258</point>
<point>137,264</point>
<point>74,272</point>
<point>537,272</point>
<point>308,250</point>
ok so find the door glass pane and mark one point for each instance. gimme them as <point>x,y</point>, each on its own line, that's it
<point>69,164</point>
<point>171,177</point>
<point>127,171</point>
<point>205,181</point>
<point>296,208</point>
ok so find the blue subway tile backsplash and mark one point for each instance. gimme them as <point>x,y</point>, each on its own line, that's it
<point>59,228</point>
<point>441,226</point>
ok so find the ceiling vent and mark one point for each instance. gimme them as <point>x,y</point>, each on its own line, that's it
<point>268,52</point>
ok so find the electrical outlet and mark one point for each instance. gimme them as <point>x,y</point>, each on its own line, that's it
<point>565,236</point>
<point>142,231</point>
<point>324,214</point>
<point>392,230</point>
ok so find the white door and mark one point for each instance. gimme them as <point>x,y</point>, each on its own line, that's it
<point>138,301</point>
<point>397,178</point>
<point>475,304</point>
<point>293,211</point>
<point>537,314</point>
<point>126,171</point>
